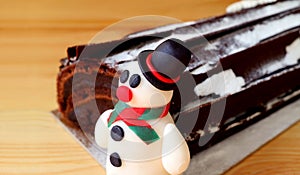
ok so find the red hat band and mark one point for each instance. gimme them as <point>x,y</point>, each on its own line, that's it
<point>156,74</point>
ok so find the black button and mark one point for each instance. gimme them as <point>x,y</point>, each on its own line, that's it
<point>134,80</point>
<point>117,133</point>
<point>124,76</point>
<point>115,160</point>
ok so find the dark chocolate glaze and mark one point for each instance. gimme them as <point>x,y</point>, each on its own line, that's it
<point>257,96</point>
<point>260,88</point>
<point>255,99</point>
<point>204,26</point>
<point>252,99</point>
<point>248,64</point>
<point>203,55</point>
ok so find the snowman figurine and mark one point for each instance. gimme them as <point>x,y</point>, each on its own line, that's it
<point>139,133</point>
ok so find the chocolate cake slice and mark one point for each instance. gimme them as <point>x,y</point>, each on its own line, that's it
<point>253,53</point>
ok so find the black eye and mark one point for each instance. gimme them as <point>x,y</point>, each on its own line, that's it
<point>135,80</point>
<point>124,76</point>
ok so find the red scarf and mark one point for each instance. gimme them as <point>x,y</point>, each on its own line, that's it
<point>136,119</point>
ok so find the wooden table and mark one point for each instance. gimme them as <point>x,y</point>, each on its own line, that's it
<point>35,34</point>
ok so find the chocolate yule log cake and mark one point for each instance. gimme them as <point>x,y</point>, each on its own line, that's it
<point>246,67</point>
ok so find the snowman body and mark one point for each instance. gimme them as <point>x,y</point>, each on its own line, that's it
<point>127,154</point>
<point>138,158</point>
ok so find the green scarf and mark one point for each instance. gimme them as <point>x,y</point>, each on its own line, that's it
<point>136,119</point>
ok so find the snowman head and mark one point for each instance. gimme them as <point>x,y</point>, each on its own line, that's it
<point>149,82</point>
<point>135,90</point>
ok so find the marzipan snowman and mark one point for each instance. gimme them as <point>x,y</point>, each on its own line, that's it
<point>139,133</point>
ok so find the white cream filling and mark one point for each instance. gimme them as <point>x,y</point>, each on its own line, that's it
<point>291,58</point>
<point>245,4</point>
<point>251,117</point>
<point>293,53</point>
<point>265,30</point>
<point>202,69</point>
<point>213,129</point>
<point>223,83</point>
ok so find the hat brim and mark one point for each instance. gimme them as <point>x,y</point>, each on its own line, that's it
<point>142,60</point>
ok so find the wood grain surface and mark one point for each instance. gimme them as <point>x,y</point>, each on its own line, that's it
<point>34,34</point>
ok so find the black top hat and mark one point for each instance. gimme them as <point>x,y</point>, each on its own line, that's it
<point>163,66</point>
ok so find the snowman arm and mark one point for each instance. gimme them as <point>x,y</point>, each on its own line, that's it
<point>175,152</point>
<point>101,129</point>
